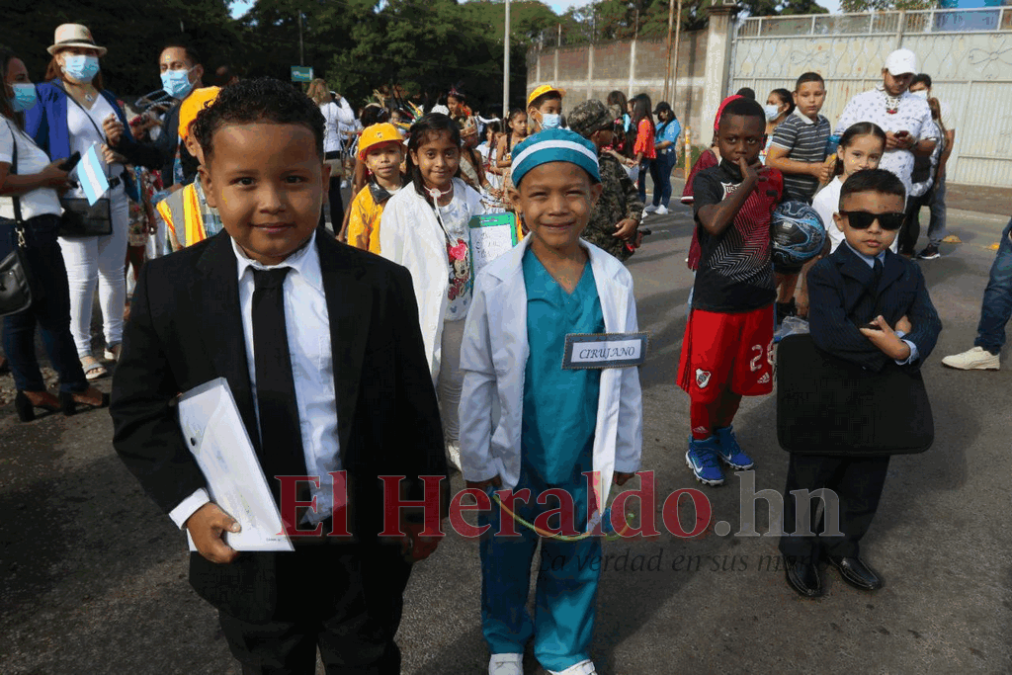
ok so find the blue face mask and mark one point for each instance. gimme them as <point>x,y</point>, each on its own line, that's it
<point>176,83</point>
<point>81,68</point>
<point>550,121</point>
<point>25,97</point>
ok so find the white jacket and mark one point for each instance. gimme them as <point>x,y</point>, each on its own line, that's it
<point>494,355</point>
<point>411,236</point>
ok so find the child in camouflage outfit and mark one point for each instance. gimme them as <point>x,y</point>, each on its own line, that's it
<point>614,221</point>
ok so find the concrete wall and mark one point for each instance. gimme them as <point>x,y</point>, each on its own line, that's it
<point>632,67</point>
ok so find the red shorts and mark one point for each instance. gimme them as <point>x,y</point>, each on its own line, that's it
<point>727,352</point>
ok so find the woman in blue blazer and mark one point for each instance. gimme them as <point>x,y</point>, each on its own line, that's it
<point>68,118</point>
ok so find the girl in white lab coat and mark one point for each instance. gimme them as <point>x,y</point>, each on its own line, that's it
<point>425,228</point>
<point>526,422</point>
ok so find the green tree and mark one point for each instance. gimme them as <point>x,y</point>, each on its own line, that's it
<point>884,5</point>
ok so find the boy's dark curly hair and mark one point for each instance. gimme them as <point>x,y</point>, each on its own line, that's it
<point>263,99</point>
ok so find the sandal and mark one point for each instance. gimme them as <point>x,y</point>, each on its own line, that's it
<point>92,368</point>
<point>112,352</point>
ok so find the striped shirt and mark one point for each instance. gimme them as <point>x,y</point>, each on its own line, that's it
<point>805,141</point>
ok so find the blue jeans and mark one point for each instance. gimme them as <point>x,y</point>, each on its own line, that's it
<point>660,171</point>
<point>996,309</point>
<point>646,166</point>
<point>51,312</point>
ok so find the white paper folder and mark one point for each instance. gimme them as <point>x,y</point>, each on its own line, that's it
<point>214,432</point>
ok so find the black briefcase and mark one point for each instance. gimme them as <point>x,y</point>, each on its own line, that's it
<point>829,406</point>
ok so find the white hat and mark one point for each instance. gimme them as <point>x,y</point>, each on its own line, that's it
<point>74,35</point>
<point>901,62</point>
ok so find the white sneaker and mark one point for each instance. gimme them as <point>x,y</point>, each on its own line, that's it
<point>581,668</point>
<point>506,664</point>
<point>977,358</point>
<point>650,209</point>
<point>661,210</point>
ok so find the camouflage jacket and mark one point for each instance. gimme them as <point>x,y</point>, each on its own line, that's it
<point>619,200</point>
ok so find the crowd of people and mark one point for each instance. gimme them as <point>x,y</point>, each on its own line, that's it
<point>372,348</point>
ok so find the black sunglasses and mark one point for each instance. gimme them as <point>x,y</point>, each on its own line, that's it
<point>862,220</point>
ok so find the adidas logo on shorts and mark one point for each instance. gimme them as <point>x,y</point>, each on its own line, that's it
<point>764,379</point>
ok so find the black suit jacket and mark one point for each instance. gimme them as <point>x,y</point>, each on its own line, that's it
<point>840,300</point>
<point>185,329</point>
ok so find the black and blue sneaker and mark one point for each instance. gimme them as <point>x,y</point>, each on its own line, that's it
<point>702,459</point>
<point>730,452</point>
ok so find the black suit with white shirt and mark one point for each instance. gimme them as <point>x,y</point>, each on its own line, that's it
<point>187,327</point>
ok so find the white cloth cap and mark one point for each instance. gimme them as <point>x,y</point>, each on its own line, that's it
<point>901,62</point>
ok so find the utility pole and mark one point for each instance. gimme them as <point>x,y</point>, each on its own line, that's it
<point>506,68</point>
<point>674,68</point>
<point>667,69</point>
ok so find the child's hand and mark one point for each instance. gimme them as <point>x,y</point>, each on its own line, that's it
<point>625,228</point>
<point>904,325</point>
<point>749,173</point>
<point>823,172</point>
<point>415,547</point>
<point>886,340</point>
<point>621,478</point>
<point>207,526</point>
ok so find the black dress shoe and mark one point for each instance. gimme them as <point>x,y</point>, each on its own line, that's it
<point>803,577</point>
<point>856,573</point>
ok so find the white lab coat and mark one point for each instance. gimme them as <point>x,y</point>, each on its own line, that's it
<point>411,236</point>
<point>494,355</point>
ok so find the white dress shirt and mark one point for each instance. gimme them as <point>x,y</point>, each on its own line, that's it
<point>308,327</point>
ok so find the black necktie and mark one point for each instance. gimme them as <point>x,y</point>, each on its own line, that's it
<point>876,277</point>
<point>280,433</point>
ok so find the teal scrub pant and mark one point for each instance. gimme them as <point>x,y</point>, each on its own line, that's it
<point>566,591</point>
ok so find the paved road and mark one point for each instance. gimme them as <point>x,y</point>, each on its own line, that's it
<point>92,576</point>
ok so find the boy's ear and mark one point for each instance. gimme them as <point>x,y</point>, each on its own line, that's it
<point>840,221</point>
<point>208,184</point>
<point>794,95</point>
<point>514,196</point>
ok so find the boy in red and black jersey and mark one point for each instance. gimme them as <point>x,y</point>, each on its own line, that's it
<point>727,351</point>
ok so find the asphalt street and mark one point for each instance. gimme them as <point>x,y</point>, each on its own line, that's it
<point>93,576</point>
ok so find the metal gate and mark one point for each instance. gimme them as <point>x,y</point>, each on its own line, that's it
<point>967,53</point>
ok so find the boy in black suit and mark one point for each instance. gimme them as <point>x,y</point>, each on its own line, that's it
<point>321,346</point>
<point>857,295</point>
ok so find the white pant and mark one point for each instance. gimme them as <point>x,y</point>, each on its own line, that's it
<point>450,385</point>
<point>102,260</point>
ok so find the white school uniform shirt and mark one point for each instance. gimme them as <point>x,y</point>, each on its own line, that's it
<point>410,235</point>
<point>307,324</point>
<point>493,357</point>
<point>913,115</point>
<point>826,203</point>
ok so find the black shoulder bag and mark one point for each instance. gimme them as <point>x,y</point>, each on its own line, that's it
<point>15,286</point>
<point>81,219</point>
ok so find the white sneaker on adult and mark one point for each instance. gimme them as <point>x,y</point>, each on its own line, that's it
<point>581,668</point>
<point>977,358</point>
<point>506,664</point>
<point>650,208</point>
<point>661,210</point>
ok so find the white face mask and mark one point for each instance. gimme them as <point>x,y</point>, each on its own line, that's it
<point>921,94</point>
<point>550,121</point>
<point>772,111</point>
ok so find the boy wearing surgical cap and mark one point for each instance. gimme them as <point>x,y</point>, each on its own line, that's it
<point>532,425</point>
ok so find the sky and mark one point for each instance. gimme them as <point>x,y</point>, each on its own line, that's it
<point>239,7</point>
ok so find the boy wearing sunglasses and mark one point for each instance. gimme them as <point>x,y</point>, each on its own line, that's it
<point>869,306</point>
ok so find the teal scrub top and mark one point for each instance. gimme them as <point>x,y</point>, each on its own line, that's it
<point>560,406</point>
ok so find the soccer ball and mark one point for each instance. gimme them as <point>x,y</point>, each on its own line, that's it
<point>798,236</point>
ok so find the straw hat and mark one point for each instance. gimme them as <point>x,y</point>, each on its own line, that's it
<point>74,35</point>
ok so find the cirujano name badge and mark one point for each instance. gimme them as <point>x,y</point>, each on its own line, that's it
<point>604,350</point>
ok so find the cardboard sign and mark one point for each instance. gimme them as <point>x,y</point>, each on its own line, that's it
<point>491,236</point>
<point>604,350</point>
